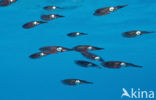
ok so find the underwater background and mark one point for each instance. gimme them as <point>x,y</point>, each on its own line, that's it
<point>22,78</point>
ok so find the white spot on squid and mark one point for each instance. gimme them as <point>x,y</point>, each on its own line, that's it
<point>42,54</point>
<point>111,8</point>
<point>52,16</point>
<point>77,33</point>
<point>138,32</point>
<point>90,48</point>
<point>11,0</point>
<point>36,23</point>
<point>77,82</point>
<point>54,7</point>
<point>97,58</point>
<point>123,64</point>
<point>59,49</point>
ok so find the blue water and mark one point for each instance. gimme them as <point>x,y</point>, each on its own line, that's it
<point>22,78</point>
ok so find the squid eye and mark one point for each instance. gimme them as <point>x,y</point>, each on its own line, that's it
<point>11,0</point>
<point>59,49</point>
<point>97,58</point>
<point>123,64</point>
<point>77,82</point>
<point>54,7</point>
<point>53,16</point>
<point>138,32</point>
<point>42,54</point>
<point>77,33</point>
<point>90,48</point>
<point>35,23</point>
<point>111,8</point>
<point>90,64</point>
